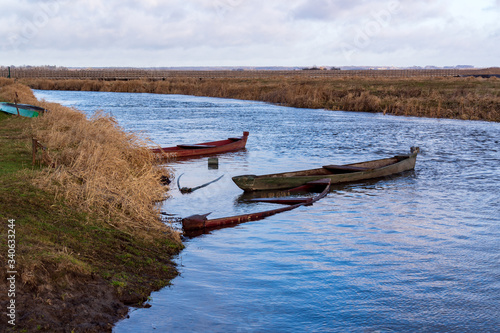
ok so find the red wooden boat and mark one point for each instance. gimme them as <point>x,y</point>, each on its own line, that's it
<point>197,222</point>
<point>205,148</point>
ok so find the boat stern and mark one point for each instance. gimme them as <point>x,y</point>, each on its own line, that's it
<point>245,182</point>
<point>407,162</point>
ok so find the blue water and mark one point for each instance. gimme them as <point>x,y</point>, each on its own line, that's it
<point>413,253</point>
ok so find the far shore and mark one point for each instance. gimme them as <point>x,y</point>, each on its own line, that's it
<point>467,98</point>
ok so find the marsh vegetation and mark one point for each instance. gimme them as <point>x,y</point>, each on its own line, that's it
<point>468,98</point>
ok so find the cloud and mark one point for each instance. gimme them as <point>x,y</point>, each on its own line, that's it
<point>166,24</point>
<point>258,32</point>
<point>324,9</point>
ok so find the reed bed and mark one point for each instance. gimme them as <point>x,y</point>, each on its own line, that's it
<point>97,166</point>
<point>468,98</point>
<point>12,91</point>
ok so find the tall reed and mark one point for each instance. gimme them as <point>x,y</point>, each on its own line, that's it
<point>439,97</point>
<point>12,91</point>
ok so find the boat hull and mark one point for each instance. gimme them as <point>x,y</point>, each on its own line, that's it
<point>352,173</point>
<point>198,222</point>
<point>25,110</point>
<point>205,148</point>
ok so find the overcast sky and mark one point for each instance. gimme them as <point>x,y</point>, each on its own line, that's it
<point>164,33</point>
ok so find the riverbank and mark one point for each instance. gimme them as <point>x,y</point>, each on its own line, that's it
<point>79,264</point>
<point>468,98</point>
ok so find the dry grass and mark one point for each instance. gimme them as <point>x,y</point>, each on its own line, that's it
<point>96,165</point>
<point>438,97</point>
<point>9,89</point>
<point>100,167</point>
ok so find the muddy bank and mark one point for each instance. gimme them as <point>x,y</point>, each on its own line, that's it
<point>89,305</point>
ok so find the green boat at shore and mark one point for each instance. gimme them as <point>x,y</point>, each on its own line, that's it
<point>24,110</point>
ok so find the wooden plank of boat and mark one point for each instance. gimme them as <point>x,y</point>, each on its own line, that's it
<point>282,201</point>
<point>196,222</point>
<point>24,110</point>
<point>336,173</point>
<point>204,148</point>
<point>344,168</point>
<point>196,146</point>
<point>311,187</point>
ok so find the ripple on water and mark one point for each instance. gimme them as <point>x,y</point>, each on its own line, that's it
<point>413,253</point>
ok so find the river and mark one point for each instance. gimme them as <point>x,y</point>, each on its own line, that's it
<point>419,252</point>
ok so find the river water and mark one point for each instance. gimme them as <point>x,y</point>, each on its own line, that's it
<point>418,252</point>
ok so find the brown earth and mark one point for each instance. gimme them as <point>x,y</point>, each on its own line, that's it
<point>89,305</point>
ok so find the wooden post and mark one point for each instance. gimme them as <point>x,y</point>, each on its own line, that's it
<point>213,163</point>
<point>15,102</point>
<point>34,143</point>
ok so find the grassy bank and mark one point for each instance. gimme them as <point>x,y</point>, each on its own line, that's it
<point>79,263</point>
<point>439,97</point>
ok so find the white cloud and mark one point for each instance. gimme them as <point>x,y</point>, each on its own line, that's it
<point>228,32</point>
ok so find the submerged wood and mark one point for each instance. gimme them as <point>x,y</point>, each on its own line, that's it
<point>205,148</point>
<point>336,173</point>
<point>192,189</point>
<point>200,221</point>
<point>314,186</point>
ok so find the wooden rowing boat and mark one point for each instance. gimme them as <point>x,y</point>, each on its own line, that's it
<point>205,148</point>
<point>336,173</point>
<point>197,222</point>
<point>24,110</point>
